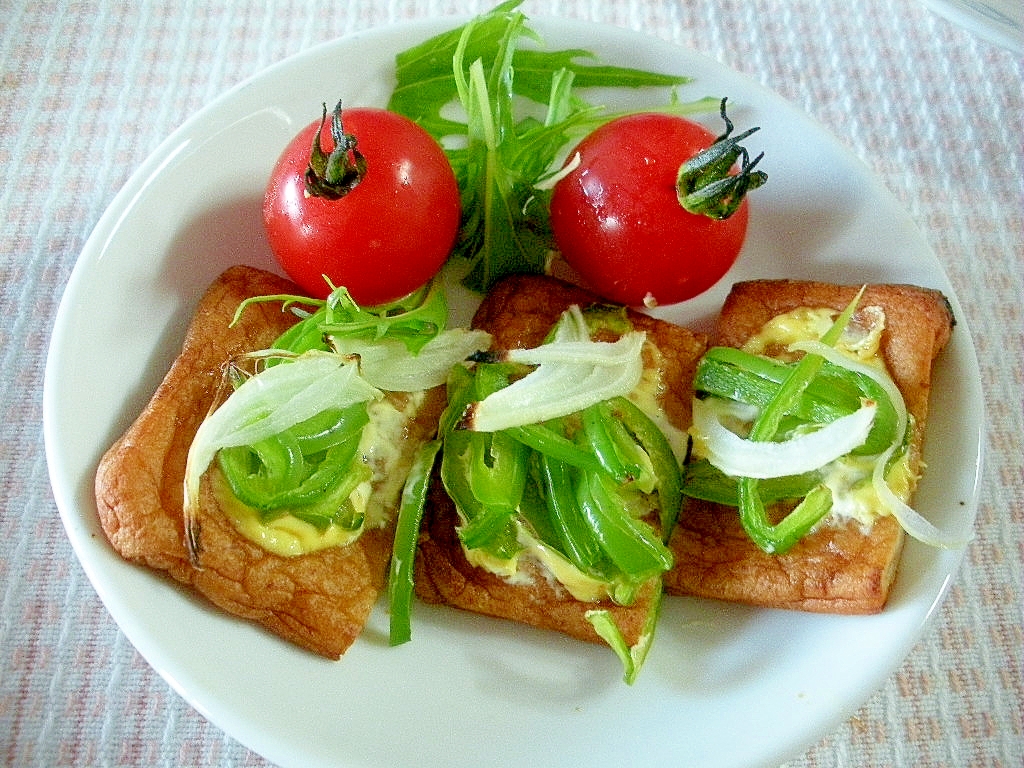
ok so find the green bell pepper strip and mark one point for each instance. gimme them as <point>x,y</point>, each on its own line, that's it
<point>282,471</point>
<point>576,539</point>
<point>497,469</point>
<point>790,390</point>
<point>329,428</point>
<point>337,461</point>
<point>590,516</point>
<point>632,454</point>
<point>256,473</point>
<point>834,392</point>
<point>597,430</point>
<point>546,440</point>
<point>484,472</point>
<point>634,546</point>
<point>490,377</point>
<point>460,387</point>
<point>883,429</point>
<point>334,507</point>
<point>663,460</point>
<point>781,536</point>
<point>737,375</point>
<point>489,529</point>
<point>493,530</point>
<point>407,528</point>
<point>702,480</point>
<point>632,657</point>
<point>267,492</point>
<point>456,481</point>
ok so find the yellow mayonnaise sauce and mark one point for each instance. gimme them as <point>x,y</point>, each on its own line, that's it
<point>286,535</point>
<point>582,587</point>
<point>647,397</point>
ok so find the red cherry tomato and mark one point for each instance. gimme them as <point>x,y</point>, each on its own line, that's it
<point>383,238</point>
<point>618,221</point>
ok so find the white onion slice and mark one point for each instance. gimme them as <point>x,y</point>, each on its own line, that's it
<point>550,182</point>
<point>388,364</point>
<point>572,373</point>
<point>583,353</point>
<point>272,401</point>
<point>740,457</point>
<point>909,518</point>
<point>572,326</point>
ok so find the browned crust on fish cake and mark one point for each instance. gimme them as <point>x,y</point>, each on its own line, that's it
<point>519,312</point>
<point>836,569</point>
<point>319,601</point>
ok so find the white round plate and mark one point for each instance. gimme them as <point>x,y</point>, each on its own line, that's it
<point>724,685</point>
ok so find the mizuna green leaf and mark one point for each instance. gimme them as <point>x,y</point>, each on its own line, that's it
<point>505,108</point>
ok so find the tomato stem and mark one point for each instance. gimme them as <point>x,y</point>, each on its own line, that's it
<point>333,175</point>
<point>705,183</point>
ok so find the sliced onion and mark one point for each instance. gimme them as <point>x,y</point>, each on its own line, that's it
<point>272,401</point>
<point>909,519</point>
<point>388,364</point>
<point>572,326</point>
<point>740,457</point>
<point>583,353</point>
<point>572,373</point>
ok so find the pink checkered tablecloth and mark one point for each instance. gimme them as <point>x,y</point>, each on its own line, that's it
<point>935,108</point>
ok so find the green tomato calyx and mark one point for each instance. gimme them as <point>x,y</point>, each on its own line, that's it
<point>706,185</point>
<point>334,174</point>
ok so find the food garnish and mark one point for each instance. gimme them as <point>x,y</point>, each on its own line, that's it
<point>589,490</point>
<point>287,435</point>
<point>766,431</point>
<point>503,153</point>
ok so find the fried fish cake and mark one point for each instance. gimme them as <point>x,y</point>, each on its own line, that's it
<point>519,312</point>
<point>839,567</point>
<point>319,600</point>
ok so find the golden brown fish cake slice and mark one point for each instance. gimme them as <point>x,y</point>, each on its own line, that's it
<point>838,568</point>
<point>519,312</point>
<point>320,600</point>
